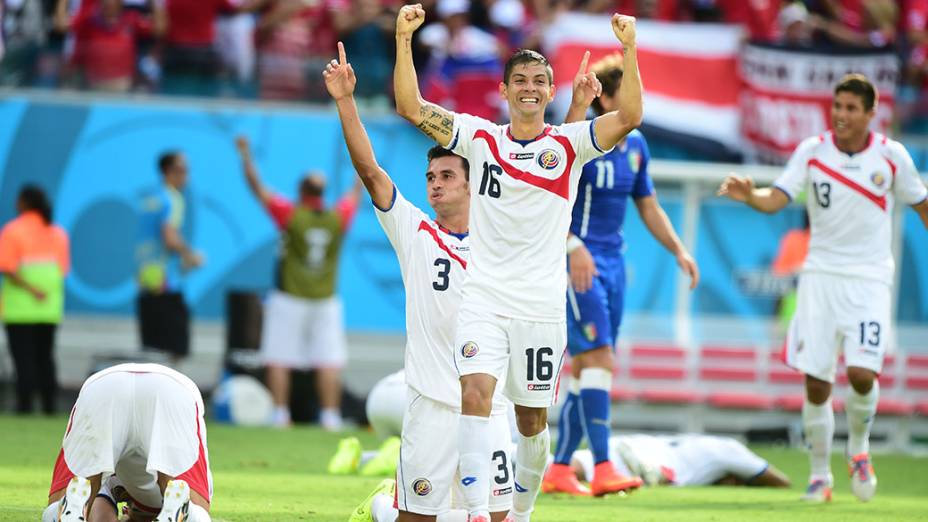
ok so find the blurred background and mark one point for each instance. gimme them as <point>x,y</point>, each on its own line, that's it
<point>94,91</point>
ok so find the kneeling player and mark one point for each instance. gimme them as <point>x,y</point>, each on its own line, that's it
<point>684,460</point>
<point>136,434</point>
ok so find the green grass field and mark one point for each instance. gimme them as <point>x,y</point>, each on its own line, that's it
<point>269,475</point>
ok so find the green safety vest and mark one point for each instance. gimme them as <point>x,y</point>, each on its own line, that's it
<point>19,306</point>
<point>309,264</point>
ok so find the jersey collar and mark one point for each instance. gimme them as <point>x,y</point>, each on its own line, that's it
<point>861,151</point>
<point>459,235</point>
<point>545,132</point>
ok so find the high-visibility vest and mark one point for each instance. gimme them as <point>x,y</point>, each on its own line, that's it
<point>38,253</point>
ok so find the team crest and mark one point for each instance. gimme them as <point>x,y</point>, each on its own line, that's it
<point>548,159</point>
<point>589,330</point>
<point>422,487</point>
<point>878,179</point>
<point>469,349</point>
<point>634,160</point>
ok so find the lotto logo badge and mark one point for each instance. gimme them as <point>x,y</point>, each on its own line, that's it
<point>548,159</point>
<point>521,155</point>
<point>469,349</point>
<point>501,492</point>
<point>878,179</point>
<point>539,387</point>
<point>422,487</point>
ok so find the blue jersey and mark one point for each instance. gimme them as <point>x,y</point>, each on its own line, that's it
<point>159,269</point>
<point>605,186</point>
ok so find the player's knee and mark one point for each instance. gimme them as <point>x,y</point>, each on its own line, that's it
<point>531,421</point>
<point>600,357</point>
<point>476,399</point>
<point>861,379</point>
<point>817,390</point>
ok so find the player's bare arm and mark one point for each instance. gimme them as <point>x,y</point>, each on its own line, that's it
<point>611,127</point>
<point>340,81</point>
<point>257,188</point>
<point>434,121</point>
<point>586,87</point>
<point>654,217</point>
<point>768,200</point>
<point>922,209</point>
<point>580,264</point>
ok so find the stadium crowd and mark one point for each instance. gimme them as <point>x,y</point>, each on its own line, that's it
<point>273,49</point>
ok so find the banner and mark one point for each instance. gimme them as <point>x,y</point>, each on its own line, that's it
<point>787,94</point>
<point>689,71</point>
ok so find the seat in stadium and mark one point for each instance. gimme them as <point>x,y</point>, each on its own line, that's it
<point>660,374</point>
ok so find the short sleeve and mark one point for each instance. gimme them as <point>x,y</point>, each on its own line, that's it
<point>794,177</point>
<point>644,186</point>
<point>400,222</point>
<point>907,184</point>
<point>583,140</point>
<point>10,250</point>
<point>280,210</point>
<point>462,134</point>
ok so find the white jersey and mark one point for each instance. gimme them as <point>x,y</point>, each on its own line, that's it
<point>850,202</point>
<point>433,261</point>
<point>521,200</point>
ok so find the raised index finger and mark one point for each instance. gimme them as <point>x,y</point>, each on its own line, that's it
<point>341,54</point>
<point>583,62</point>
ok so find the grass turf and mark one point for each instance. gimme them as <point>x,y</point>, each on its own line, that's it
<point>270,475</point>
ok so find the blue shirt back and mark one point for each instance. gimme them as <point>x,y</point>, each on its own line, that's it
<point>605,186</point>
<point>159,268</point>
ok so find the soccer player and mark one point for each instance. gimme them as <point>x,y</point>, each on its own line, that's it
<point>595,295</point>
<point>511,328</point>
<point>136,433</point>
<point>684,460</point>
<point>433,255</point>
<point>303,325</point>
<point>854,177</point>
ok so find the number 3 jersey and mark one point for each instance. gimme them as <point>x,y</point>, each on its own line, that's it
<point>522,193</point>
<point>433,262</point>
<point>850,199</point>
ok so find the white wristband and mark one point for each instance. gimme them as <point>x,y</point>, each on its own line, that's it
<point>573,243</point>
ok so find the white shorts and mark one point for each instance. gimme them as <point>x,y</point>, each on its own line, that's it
<point>303,333</point>
<point>137,424</point>
<point>385,405</point>
<point>524,356</point>
<point>427,476</point>
<point>838,313</point>
<point>703,460</point>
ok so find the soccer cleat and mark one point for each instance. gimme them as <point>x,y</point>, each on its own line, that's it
<point>176,502</point>
<point>560,478</point>
<point>863,478</point>
<point>482,518</point>
<point>364,512</point>
<point>384,463</point>
<point>819,490</point>
<point>347,457</point>
<point>71,506</point>
<point>607,480</point>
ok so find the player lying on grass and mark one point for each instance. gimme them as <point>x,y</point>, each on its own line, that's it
<point>854,178</point>
<point>135,435</point>
<point>511,328</point>
<point>684,460</point>
<point>433,255</point>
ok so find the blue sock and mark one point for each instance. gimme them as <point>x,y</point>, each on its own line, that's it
<point>594,406</point>
<point>570,430</point>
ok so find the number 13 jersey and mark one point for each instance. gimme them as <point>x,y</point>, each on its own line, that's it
<point>522,193</point>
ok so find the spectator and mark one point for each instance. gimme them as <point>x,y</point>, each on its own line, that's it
<point>236,45</point>
<point>369,38</point>
<point>857,23</point>
<point>105,42</point>
<point>24,37</point>
<point>794,27</point>
<point>303,326</point>
<point>34,259</point>
<point>163,254</point>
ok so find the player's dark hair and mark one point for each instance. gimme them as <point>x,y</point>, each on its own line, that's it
<point>440,152</point>
<point>167,160</point>
<point>31,197</point>
<point>859,84</point>
<point>312,185</point>
<point>609,72</point>
<point>527,56</point>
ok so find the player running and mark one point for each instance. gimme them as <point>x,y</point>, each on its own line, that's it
<point>433,256</point>
<point>136,434</point>
<point>511,327</point>
<point>596,294</point>
<point>684,460</point>
<point>854,177</point>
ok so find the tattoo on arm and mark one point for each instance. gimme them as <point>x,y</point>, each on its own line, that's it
<point>437,123</point>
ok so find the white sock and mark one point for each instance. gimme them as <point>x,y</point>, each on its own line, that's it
<point>474,467</point>
<point>51,512</point>
<point>382,509</point>
<point>330,418</point>
<point>818,422</point>
<point>861,409</point>
<point>531,459</point>
<point>281,416</point>
<point>454,515</point>
<point>196,513</point>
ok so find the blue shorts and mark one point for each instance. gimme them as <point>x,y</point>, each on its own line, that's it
<point>594,317</point>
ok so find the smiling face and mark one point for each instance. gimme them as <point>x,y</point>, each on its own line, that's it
<point>447,186</point>
<point>850,119</point>
<point>528,84</point>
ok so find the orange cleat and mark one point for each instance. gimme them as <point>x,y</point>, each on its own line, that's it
<point>607,480</point>
<point>560,478</point>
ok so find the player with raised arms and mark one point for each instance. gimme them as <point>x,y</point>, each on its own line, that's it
<point>511,328</point>
<point>854,178</point>
<point>433,255</point>
<point>136,435</point>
